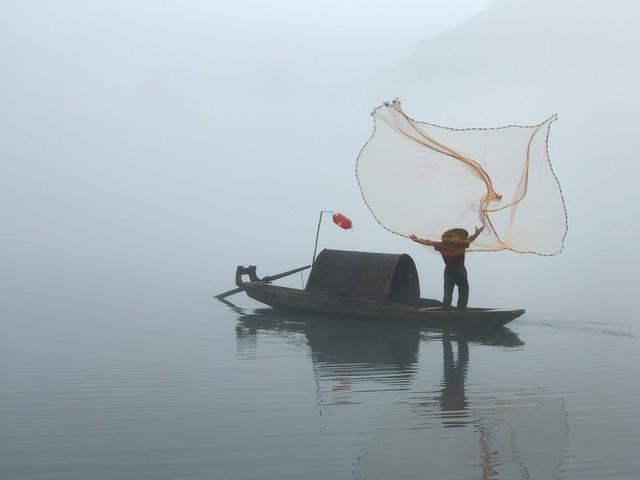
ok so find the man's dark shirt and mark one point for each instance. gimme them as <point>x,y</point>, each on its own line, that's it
<point>452,253</point>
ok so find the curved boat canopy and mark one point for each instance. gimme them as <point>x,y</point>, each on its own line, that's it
<point>377,277</point>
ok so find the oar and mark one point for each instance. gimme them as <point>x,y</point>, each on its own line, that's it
<point>268,279</point>
<point>285,274</point>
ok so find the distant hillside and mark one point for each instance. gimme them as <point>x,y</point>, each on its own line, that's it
<point>524,41</point>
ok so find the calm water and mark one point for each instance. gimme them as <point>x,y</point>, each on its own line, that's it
<point>213,393</point>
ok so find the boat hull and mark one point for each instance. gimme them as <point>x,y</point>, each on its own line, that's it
<point>427,311</point>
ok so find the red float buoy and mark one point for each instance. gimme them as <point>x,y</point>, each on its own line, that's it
<point>339,219</point>
<point>342,221</point>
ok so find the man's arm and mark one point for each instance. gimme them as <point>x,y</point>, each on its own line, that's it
<point>424,241</point>
<point>475,235</point>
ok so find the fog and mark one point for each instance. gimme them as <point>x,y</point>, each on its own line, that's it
<point>150,147</point>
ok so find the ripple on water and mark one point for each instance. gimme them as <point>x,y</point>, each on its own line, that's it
<point>314,398</point>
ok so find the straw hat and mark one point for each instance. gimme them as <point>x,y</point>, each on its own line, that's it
<point>455,235</point>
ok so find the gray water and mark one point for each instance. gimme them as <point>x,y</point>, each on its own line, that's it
<point>220,393</point>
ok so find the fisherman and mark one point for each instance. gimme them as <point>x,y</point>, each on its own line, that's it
<point>452,248</point>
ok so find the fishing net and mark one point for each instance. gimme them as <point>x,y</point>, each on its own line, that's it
<point>424,179</point>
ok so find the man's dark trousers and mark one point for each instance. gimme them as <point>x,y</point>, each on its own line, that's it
<point>456,276</point>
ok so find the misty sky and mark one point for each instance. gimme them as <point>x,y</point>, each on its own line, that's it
<point>150,147</point>
<point>233,37</point>
<point>345,37</point>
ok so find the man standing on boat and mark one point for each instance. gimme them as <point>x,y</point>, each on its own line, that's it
<point>452,248</point>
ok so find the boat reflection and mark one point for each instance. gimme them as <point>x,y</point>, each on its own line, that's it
<point>411,400</point>
<point>350,350</point>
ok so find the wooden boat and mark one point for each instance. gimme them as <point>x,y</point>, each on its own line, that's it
<point>367,284</point>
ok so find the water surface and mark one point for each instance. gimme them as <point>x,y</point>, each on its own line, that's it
<point>222,393</point>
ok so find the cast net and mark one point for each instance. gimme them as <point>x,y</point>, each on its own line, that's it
<point>420,178</point>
